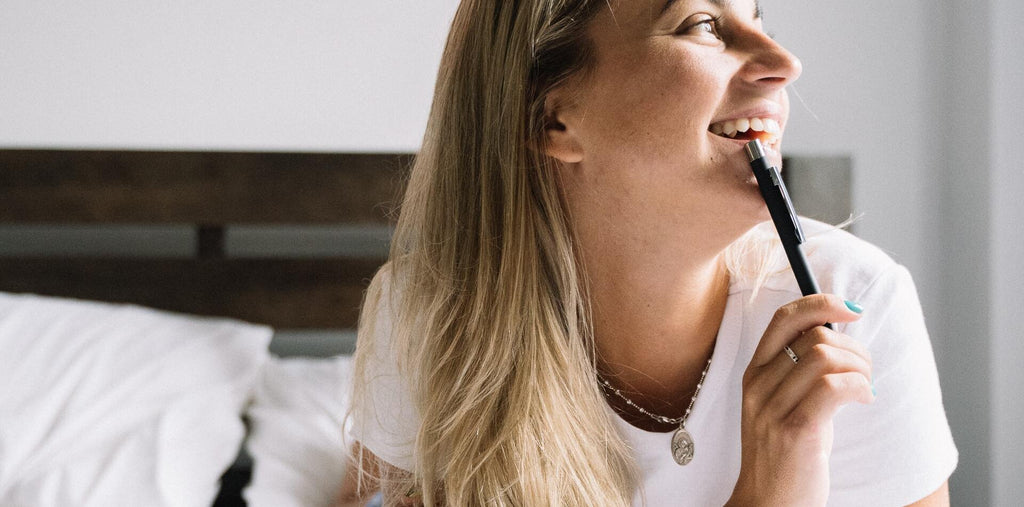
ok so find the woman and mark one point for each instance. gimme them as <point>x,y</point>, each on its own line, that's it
<point>581,307</point>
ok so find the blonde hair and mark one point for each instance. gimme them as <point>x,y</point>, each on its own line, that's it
<point>491,324</point>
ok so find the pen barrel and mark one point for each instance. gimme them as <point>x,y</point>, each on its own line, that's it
<point>804,278</point>
<point>797,260</point>
<point>776,198</point>
<point>786,221</point>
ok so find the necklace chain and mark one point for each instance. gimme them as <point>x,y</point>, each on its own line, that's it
<point>681,421</point>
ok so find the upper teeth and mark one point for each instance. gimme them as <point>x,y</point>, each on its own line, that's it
<point>732,127</point>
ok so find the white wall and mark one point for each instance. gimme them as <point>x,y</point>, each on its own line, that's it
<point>262,74</point>
<point>961,232</point>
<point>860,94</point>
<point>925,96</point>
<point>1007,208</point>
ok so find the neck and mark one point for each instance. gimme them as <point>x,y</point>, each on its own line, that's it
<point>656,318</point>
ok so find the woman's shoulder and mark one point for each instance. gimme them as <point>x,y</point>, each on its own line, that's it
<point>842,263</point>
<point>841,259</point>
<point>384,415</point>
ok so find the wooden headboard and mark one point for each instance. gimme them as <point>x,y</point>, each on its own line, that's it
<point>210,191</point>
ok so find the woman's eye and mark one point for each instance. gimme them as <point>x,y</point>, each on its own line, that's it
<point>706,26</point>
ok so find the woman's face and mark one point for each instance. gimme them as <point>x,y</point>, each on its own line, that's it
<point>650,121</point>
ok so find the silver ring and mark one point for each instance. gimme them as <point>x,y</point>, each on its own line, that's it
<point>792,355</point>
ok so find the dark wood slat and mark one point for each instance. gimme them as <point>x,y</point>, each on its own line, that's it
<point>283,293</point>
<point>210,242</point>
<point>92,186</point>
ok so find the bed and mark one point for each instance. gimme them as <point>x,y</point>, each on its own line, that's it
<point>134,379</point>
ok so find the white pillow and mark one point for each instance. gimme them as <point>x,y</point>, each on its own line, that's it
<point>107,404</point>
<point>296,437</point>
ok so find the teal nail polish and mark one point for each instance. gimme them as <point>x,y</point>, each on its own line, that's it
<point>873,392</point>
<point>854,307</point>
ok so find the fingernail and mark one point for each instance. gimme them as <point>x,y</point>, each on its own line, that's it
<point>854,307</point>
<point>873,391</point>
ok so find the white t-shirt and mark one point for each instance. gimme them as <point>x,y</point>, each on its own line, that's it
<point>894,451</point>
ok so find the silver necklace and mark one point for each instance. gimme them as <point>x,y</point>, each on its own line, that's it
<point>682,441</point>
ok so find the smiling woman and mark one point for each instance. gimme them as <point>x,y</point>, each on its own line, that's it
<point>582,306</point>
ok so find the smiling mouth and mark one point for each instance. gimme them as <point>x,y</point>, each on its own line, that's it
<point>748,129</point>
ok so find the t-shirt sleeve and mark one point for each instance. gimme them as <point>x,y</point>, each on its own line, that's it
<point>898,449</point>
<point>386,421</point>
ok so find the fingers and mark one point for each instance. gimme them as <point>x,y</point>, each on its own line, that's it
<point>794,318</point>
<point>814,348</point>
<point>777,388</point>
<point>826,358</point>
<point>825,397</point>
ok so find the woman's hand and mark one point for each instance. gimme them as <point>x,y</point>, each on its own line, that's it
<point>788,405</point>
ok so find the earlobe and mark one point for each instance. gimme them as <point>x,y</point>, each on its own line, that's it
<point>560,138</point>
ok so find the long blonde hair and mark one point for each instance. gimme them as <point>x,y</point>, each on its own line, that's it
<point>491,323</point>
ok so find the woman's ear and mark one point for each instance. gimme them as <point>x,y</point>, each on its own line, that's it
<point>561,140</point>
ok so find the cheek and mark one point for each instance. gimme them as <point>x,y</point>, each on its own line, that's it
<point>656,98</point>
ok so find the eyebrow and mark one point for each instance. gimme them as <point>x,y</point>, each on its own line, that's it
<point>717,3</point>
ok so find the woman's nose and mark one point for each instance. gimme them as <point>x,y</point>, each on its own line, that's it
<point>770,64</point>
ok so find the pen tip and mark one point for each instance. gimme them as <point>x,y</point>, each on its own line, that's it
<point>755,150</point>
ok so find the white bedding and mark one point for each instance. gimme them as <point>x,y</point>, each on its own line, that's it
<point>296,437</point>
<point>106,404</point>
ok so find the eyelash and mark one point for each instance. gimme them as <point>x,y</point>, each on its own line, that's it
<point>711,21</point>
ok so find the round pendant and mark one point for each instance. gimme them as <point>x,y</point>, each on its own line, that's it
<point>682,446</point>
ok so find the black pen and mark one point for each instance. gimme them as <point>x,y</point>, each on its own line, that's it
<point>773,190</point>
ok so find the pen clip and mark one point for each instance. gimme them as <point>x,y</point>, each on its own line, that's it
<point>798,231</point>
